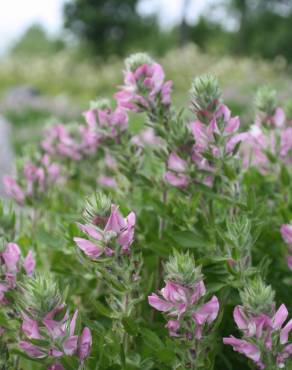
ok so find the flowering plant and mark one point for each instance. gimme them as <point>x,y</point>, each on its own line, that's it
<point>137,232</point>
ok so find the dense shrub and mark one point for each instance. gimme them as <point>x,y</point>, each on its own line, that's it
<point>183,217</point>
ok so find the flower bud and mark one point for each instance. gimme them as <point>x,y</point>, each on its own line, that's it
<point>85,343</point>
<point>97,209</point>
<point>239,231</point>
<point>258,298</point>
<point>181,269</point>
<point>265,100</point>
<point>136,60</point>
<point>205,95</point>
<point>100,104</point>
<point>38,296</point>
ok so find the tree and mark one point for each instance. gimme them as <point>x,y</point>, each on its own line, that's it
<point>110,26</point>
<point>264,27</point>
<point>36,41</point>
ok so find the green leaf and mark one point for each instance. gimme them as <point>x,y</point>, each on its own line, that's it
<point>236,148</point>
<point>188,239</point>
<point>166,356</point>
<point>102,309</point>
<point>152,340</point>
<point>284,176</point>
<point>130,326</point>
<point>229,172</point>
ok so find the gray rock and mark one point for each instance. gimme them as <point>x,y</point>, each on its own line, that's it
<point>20,98</point>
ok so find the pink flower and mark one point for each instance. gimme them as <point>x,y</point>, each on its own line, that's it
<point>56,366</point>
<point>176,175</point>
<point>29,264</point>
<point>84,344</point>
<point>115,221</point>
<point>285,332</point>
<point>13,190</point>
<point>91,117</point>
<point>280,317</point>
<point>142,87</point>
<point>175,293</point>
<point>11,262</point>
<point>89,248</point>
<point>159,304</point>
<point>108,122</point>
<point>146,137</point>
<point>199,291</point>
<point>35,178</point>
<point>289,262</point>
<point>252,326</point>
<point>117,229</point>
<point>173,326</point>
<point>91,231</point>
<point>32,350</point>
<point>70,345</point>
<point>30,328</point>
<point>232,125</point>
<point>202,134</point>
<point>176,298</point>
<point>264,330</point>
<point>110,161</point>
<point>238,138</point>
<point>208,312</point>
<point>90,140</point>
<point>57,337</point>
<point>58,141</point>
<point>3,290</point>
<point>107,181</point>
<point>284,355</point>
<point>73,323</point>
<point>11,257</point>
<point>55,328</point>
<point>183,302</point>
<point>242,346</point>
<point>176,164</point>
<point>286,142</point>
<point>278,119</point>
<point>177,180</point>
<point>166,93</point>
<point>286,232</point>
<point>124,227</point>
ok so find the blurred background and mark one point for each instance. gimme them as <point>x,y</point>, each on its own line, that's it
<point>57,55</point>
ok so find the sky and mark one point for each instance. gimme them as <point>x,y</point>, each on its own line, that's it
<point>17,15</point>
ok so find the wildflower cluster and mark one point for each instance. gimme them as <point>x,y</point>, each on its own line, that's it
<point>49,332</point>
<point>33,180</point>
<point>265,337</point>
<point>196,182</point>
<point>182,300</point>
<point>144,86</point>
<point>11,265</point>
<point>286,232</point>
<point>270,138</point>
<point>107,234</point>
<point>215,138</point>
